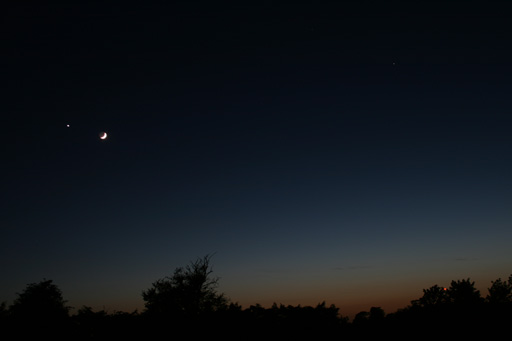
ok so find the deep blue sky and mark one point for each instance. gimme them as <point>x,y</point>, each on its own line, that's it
<point>344,152</point>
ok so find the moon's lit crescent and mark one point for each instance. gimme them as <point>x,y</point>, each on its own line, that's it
<point>103,135</point>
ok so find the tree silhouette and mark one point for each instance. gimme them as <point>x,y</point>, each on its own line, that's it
<point>188,300</point>
<point>433,296</point>
<point>500,291</point>
<point>189,292</point>
<point>4,315</point>
<point>3,310</point>
<point>460,292</point>
<point>463,292</point>
<point>40,310</point>
<point>377,315</point>
<point>361,318</point>
<point>41,300</point>
<point>89,323</point>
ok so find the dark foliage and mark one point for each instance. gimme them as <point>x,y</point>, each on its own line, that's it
<point>40,299</point>
<point>39,310</point>
<point>190,291</point>
<point>455,311</point>
<point>292,321</point>
<point>500,292</point>
<point>90,325</point>
<point>187,299</point>
<point>188,303</point>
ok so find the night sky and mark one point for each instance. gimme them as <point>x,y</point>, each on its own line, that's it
<point>350,152</point>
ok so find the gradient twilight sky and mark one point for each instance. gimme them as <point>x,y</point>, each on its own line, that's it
<point>340,151</point>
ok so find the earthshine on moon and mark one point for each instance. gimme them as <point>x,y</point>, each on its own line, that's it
<point>103,135</point>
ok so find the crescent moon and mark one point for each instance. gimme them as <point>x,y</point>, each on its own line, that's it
<point>103,136</point>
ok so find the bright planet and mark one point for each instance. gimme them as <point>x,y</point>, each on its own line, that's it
<point>103,135</point>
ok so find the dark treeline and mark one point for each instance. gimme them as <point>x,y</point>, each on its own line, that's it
<point>187,304</point>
